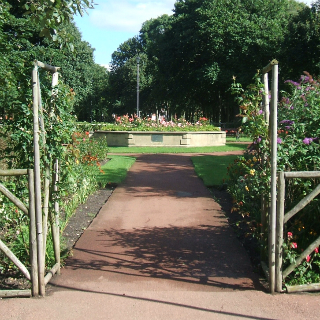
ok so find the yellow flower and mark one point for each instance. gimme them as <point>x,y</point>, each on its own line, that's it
<point>252,172</point>
<point>246,187</point>
<point>254,159</point>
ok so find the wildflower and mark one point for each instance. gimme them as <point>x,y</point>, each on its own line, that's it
<point>293,82</point>
<point>252,172</point>
<point>87,133</point>
<point>294,245</point>
<point>258,140</point>
<point>260,111</point>
<point>307,140</point>
<point>290,235</point>
<point>279,140</point>
<point>308,258</point>
<point>316,250</point>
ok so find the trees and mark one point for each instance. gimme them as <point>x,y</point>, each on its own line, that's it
<point>52,16</point>
<point>191,57</point>
<point>302,43</point>
<point>21,43</point>
<point>211,41</point>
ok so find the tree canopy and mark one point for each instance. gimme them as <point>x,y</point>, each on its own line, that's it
<point>191,57</point>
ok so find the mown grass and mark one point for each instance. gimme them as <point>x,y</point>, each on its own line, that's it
<point>212,169</point>
<point>226,148</point>
<point>241,139</point>
<point>115,170</point>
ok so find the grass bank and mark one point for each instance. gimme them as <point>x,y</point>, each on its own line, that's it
<point>212,169</point>
<point>115,169</point>
<point>226,148</point>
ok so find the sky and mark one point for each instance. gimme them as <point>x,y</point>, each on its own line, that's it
<point>113,22</point>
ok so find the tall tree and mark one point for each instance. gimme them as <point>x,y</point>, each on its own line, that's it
<point>302,43</point>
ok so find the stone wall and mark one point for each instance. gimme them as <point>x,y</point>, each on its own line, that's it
<point>168,139</point>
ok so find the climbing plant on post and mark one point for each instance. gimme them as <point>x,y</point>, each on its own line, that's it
<point>42,217</point>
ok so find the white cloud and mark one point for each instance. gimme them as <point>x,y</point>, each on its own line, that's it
<point>128,15</point>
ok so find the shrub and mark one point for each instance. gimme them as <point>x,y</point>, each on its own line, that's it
<point>298,150</point>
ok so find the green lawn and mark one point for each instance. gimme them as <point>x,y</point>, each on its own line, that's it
<point>212,169</point>
<point>227,147</point>
<point>115,170</point>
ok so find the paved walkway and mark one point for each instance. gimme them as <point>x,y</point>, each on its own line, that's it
<point>160,248</point>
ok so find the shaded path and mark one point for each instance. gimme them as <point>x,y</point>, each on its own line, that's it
<point>162,223</point>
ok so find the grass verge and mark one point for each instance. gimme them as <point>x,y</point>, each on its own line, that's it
<point>212,169</point>
<point>115,170</point>
<point>226,148</point>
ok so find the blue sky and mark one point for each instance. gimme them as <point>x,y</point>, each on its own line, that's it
<point>112,22</point>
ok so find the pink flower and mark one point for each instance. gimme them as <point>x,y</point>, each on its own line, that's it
<point>308,258</point>
<point>294,245</point>
<point>316,250</point>
<point>290,235</point>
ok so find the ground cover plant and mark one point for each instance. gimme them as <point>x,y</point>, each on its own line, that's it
<point>298,150</point>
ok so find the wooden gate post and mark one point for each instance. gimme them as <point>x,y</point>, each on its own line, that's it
<point>273,65</point>
<point>37,179</point>
<point>279,236</point>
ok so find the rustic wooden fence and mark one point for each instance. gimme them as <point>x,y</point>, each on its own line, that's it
<point>39,214</point>
<point>283,218</point>
<point>273,217</point>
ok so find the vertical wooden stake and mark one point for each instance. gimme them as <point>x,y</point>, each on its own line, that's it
<point>55,217</point>
<point>273,208</point>
<point>33,236</point>
<point>279,236</point>
<point>266,98</point>
<point>37,180</point>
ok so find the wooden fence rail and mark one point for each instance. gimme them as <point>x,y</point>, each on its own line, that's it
<point>283,218</point>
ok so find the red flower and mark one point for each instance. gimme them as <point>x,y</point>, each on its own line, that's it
<point>294,245</point>
<point>316,250</point>
<point>290,235</point>
<point>308,258</point>
<point>87,133</point>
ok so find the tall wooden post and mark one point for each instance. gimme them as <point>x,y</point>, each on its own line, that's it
<point>279,234</point>
<point>37,180</point>
<point>273,65</point>
<point>273,207</point>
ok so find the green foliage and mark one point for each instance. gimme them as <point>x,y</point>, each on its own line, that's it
<point>188,59</point>
<point>298,150</point>
<point>309,270</point>
<point>302,42</point>
<point>52,16</point>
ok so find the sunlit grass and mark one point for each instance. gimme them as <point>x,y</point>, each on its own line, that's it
<point>226,148</point>
<point>212,169</point>
<point>115,170</point>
